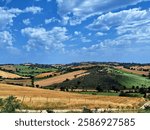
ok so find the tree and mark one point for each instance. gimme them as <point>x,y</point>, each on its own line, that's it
<point>149,75</point>
<point>10,104</point>
<point>32,81</point>
<point>99,88</point>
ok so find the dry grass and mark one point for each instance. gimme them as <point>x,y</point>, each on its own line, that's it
<point>42,99</point>
<point>140,67</point>
<point>8,67</point>
<point>8,75</point>
<point>132,71</point>
<point>61,78</point>
<point>46,74</point>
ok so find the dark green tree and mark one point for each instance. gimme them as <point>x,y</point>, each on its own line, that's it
<point>10,104</point>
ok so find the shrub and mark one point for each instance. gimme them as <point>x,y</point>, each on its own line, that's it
<point>10,105</point>
<point>124,94</point>
<point>86,110</point>
<point>1,102</point>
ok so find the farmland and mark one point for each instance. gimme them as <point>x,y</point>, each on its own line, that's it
<point>8,75</point>
<point>34,98</point>
<point>27,70</point>
<point>61,78</point>
<point>73,86</point>
<point>133,71</point>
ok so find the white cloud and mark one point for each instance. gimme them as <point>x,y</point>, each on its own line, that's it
<point>100,34</point>
<point>33,9</point>
<point>7,15</point>
<point>46,39</point>
<point>6,18</point>
<point>26,21</point>
<point>77,33</point>
<point>78,10</point>
<point>47,21</point>
<point>85,39</point>
<point>107,21</point>
<point>6,39</point>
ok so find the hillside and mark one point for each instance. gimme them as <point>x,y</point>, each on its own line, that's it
<point>106,77</point>
<point>133,71</point>
<point>8,75</point>
<point>35,98</point>
<point>61,78</point>
<point>28,70</point>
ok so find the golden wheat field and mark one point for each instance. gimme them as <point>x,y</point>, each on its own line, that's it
<point>8,75</point>
<point>61,78</point>
<point>132,71</point>
<point>35,98</point>
<point>42,75</point>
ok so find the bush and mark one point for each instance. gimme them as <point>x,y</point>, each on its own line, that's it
<point>10,104</point>
<point>86,110</point>
<point>1,102</point>
<point>124,94</point>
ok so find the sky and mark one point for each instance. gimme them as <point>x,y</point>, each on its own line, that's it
<point>66,31</point>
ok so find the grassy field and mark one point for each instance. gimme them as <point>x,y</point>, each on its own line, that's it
<point>61,78</point>
<point>8,75</point>
<point>106,77</point>
<point>129,80</point>
<point>24,70</point>
<point>100,93</point>
<point>109,93</point>
<point>34,98</point>
<point>132,71</point>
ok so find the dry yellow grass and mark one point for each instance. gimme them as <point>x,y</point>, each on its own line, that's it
<point>60,78</point>
<point>8,75</point>
<point>42,75</point>
<point>132,71</point>
<point>41,99</point>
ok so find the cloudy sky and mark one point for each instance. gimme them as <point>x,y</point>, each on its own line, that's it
<point>65,31</point>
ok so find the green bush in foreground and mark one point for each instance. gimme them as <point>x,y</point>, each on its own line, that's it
<point>9,105</point>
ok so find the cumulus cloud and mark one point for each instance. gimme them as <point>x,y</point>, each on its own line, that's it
<point>7,15</point>
<point>47,39</point>
<point>6,39</point>
<point>6,18</point>
<point>26,21</point>
<point>76,11</point>
<point>47,21</point>
<point>77,33</point>
<point>100,34</point>
<point>107,21</point>
<point>33,9</point>
<point>132,29</point>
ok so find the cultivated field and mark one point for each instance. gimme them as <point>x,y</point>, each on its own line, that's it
<point>35,98</point>
<point>8,67</point>
<point>140,67</point>
<point>136,71</point>
<point>42,75</point>
<point>8,75</point>
<point>61,78</point>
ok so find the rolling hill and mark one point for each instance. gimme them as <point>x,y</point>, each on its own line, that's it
<point>107,77</point>
<point>35,98</point>
<point>61,78</point>
<point>8,75</point>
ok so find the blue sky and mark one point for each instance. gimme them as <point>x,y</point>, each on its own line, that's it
<point>65,31</point>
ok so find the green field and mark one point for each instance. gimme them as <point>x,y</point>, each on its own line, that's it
<point>107,78</point>
<point>24,70</point>
<point>111,94</point>
<point>129,80</point>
